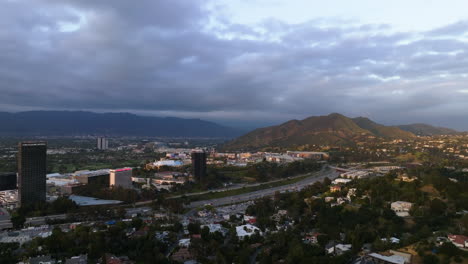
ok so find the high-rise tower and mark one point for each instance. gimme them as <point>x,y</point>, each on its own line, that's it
<point>32,169</point>
<point>199,165</point>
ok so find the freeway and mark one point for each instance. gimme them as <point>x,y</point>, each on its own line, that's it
<point>33,221</point>
<point>240,186</point>
<point>5,224</point>
<point>267,192</point>
<point>313,175</point>
<point>42,220</point>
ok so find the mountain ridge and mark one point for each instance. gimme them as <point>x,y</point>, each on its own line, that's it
<point>59,123</point>
<point>421,129</point>
<point>332,129</point>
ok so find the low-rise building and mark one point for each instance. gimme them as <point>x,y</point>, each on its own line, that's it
<point>335,188</point>
<point>338,249</point>
<point>459,240</point>
<point>341,181</point>
<point>184,242</point>
<point>247,231</point>
<point>401,208</point>
<point>390,257</point>
<point>311,238</point>
<point>309,155</point>
<point>81,259</point>
<point>99,177</point>
<point>360,174</point>
<point>215,228</point>
<point>182,255</point>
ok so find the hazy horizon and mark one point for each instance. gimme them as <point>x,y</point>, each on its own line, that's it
<point>243,125</point>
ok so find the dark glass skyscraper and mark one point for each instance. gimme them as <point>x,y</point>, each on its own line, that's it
<point>199,165</point>
<point>32,169</point>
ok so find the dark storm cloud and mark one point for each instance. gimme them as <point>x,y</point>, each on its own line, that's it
<point>180,58</point>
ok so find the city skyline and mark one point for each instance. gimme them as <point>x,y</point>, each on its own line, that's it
<point>241,63</point>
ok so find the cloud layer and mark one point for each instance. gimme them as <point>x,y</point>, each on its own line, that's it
<point>182,58</point>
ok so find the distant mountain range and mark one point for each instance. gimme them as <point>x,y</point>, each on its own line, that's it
<point>67,123</point>
<point>333,129</point>
<point>427,130</point>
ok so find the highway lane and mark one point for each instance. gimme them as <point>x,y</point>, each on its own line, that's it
<point>267,192</point>
<point>313,174</point>
<point>42,220</point>
<point>240,186</point>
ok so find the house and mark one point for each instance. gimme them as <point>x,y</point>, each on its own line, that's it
<point>405,178</point>
<point>311,238</point>
<point>392,240</point>
<point>335,188</point>
<point>247,230</point>
<point>459,240</point>
<point>162,236</point>
<point>341,180</point>
<point>81,259</point>
<point>247,218</point>
<point>182,255</point>
<point>280,214</point>
<point>185,242</point>
<point>215,228</point>
<point>41,260</point>
<point>441,240</point>
<point>401,208</point>
<point>337,249</point>
<point>195,236</point>
<point>390,257</point>
<point>112,259</point>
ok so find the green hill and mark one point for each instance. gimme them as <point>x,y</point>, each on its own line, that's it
<point>334,129</point>
<point>381,130</point>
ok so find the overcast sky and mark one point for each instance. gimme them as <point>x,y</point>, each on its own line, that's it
<point>239,62</point>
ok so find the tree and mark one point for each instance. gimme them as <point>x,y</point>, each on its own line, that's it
<point>437,207</point>
<point>296,252</point>
<point>205,233</point>
<point>194,228</point>
<point>323,240</point>
<point>137,223</point>
<point>430,259</point>
<point>449,249</point>
<point>7,252</point>
<point>464,221</point>
<point>17,220</point>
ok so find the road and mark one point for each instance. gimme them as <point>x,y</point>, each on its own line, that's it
<point>143,203</point>
<point>42,220</point>
<point>331,174</point>
<point>240,186</point>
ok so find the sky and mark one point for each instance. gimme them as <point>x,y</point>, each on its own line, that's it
<point>244,63</point>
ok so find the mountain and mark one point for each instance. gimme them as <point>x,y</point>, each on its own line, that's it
<point>427,130</point>
<point>333,129</point>
<point>381,130</point>
<point>67,123</point>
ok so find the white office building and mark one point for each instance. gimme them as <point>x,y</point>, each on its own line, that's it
<point>121,177</point>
